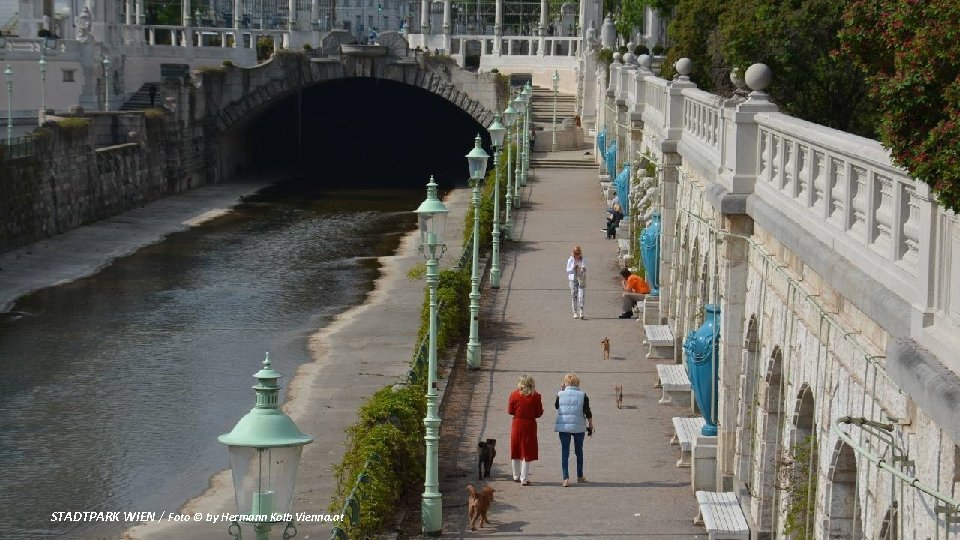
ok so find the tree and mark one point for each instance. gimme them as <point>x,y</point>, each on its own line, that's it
<point>910,53</point>
<point>693,34</point>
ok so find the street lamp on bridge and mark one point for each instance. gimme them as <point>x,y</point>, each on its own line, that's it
<point>43,85</point>
<point>106,83</point>
<point>8,74</point>
<point>477,163</point>
<point>432,216</point>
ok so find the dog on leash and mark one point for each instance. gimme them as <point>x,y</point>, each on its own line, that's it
<point>486,451</point>
<point>605,348</point>
<point>478,505</point>
<point>618,391</point>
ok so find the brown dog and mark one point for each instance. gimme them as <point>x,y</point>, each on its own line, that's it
<point>478,505</point>
<point>618,391</point>
<point>605,347</point>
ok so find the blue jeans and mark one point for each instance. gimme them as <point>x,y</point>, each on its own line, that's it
<point>565,453</point>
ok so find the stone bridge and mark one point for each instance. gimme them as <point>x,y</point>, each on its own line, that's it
<point>231,93</point>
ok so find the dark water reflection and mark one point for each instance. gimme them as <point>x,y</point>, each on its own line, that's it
<point>114,388</point>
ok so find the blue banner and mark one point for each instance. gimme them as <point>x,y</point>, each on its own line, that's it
<point>602,143</point>
<point>612,160</point>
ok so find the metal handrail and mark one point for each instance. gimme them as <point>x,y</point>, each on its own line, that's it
<point>17,147</point>
<point>351,505</point>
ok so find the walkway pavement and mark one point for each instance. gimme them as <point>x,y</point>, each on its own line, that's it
<point>635,489</point>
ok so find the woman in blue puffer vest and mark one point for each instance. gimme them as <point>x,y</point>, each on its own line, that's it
<point>573,419</point>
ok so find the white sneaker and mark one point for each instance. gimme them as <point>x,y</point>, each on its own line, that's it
<point>576,315</point>
<point>580,315</point>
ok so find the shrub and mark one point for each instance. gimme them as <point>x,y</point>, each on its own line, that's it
<point>307,47</point>
<point>641,49</point>
<point>605,56</point>
<point>264,48</point>
<point>227,64</point>
<point>658,50</point>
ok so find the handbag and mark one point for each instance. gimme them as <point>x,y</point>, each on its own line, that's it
<point>581,278</point>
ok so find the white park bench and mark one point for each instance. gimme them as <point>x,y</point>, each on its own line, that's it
<point>651,310</point>
<point>673,379</point>
<point>685,432</point>
<point>660,340</point>
<point>722,516</point>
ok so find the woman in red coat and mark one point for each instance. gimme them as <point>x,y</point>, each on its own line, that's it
<point>526,406</point>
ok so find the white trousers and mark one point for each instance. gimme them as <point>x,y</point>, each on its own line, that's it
<point>521,469</point>
<point>576,297</point>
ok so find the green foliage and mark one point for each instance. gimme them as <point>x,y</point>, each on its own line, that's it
<point>153,113</point>
<point>228,63</point>
<point>74,124</point>
<point>307,47</point>
<point>794,38</point>
<point>605,56</point>
<point>264,48</point>
<point>630,17</point>
<point>910,55</point>
<point>391,427</point>
<point>799,474</point>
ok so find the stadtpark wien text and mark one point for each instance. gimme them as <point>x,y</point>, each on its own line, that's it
<point>140,517</point>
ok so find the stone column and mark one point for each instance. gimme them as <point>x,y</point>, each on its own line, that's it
<point>291,15</point>
<point>314,13</point>
<point>424,17</point>
<point>128,18</point>
<point>498,28</point>
<point>669,183</point>
<point>185,14</point>
<point>541,49</point>
<point>734,273</point>
<point>236,22</point>
<point>140,12</point>
<point>446,19</point>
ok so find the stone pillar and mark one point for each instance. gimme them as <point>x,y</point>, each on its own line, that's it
<point>315,13</point>
<point>734,273</point>
<point>185,14</point>
<point>424,17</point>
<point>291,15</point>
<point>140,13</point>
<point>541,49</point>
<point>703,464</point>
<point>669,184</point>
<point>446,20</point>
<point>236,22</point>
<point>128,17</point>
<point>498,27</point>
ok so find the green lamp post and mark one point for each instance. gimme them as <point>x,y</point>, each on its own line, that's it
<point>556,89</point>
<point>106,83</point>
<point>526,94</point>
<point>8,74</point>
<point>43,84</point>
<point>510,117</point>
<point>521,106</point>
<point>432,216</point>
<point>477,163</point>
<point>265,448</point>
<point>496,131</point>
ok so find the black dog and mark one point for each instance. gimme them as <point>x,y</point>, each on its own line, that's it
<point>486,451</point>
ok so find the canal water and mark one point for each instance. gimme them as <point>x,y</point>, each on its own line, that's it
<point>114,388</point>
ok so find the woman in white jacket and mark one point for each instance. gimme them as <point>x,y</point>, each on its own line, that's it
<point>577,276</point>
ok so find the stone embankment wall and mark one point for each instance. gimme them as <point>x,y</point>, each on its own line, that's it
<point>90,168</point>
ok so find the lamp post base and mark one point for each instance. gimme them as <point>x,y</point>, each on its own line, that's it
<point>473,355</point>
<point>494,278</point>
<point>431,514</point>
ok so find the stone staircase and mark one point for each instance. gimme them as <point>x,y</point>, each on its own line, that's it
<point>543,161</point>
<point>141,98</point>
<point>541,105</point>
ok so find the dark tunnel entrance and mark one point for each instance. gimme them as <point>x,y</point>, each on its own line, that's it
<point>366,132</point>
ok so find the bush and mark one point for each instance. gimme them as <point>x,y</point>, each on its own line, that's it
<point>264,48</point>
<point>307,47</point>
<point>227,64</point>
<point>658,50</point>
<point>641,49</point>
<point>605,56</point>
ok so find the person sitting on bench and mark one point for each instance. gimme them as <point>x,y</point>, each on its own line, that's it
<point>613,220</point>
<point>635,289</point>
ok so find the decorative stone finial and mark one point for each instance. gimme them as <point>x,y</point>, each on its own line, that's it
<point>644,61</point>
<point>684,67</point>
<point>630,46</point>
<point>629,59</point>
<point>617,58</point>
<point>758,77</point>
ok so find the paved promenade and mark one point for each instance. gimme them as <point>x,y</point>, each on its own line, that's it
<point>634,488</point>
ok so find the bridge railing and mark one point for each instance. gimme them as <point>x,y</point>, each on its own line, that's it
<point>182,36</point>
<point>517,45</point>
<point>703,123</point>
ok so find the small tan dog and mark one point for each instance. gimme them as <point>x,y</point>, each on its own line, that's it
<point>618,391</point>
<point>478,505</point>
<point>605,347</point>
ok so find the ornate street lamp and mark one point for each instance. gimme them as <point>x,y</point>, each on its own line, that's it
<point>496,131</point>
<point>265,448</point>
<point>510,117</point>
<point>556,88</point>
<point>8,73</point>
<point>43,85</point>
<point>521,106</point>
<point>432,215</point>
<point>477,163</point>
<point>526,94</point>
<point>106,83</point>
